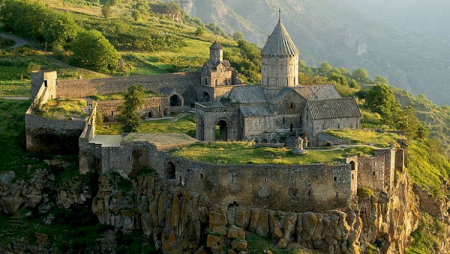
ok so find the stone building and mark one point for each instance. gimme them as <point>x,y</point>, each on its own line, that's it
<point>278,109</point>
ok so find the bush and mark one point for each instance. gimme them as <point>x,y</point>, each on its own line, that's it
<point>91,49</point>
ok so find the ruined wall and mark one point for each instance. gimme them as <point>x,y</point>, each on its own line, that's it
<point>371,172</point>
<point>50,135</point>
<point>43,85</point>
<point>153,107</point>
<point>176,83</point>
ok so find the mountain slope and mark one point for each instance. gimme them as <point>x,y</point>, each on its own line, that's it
<point>335,32</point>
<point>425,17</point>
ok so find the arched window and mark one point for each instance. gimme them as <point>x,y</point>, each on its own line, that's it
<point>222,127</point>
<point>205,97</point>
<point>175,101</point>
<point>170,170</point>
<point>353,165</point>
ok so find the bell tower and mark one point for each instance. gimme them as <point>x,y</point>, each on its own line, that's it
<point>279,61</point>
<point>216,53</point>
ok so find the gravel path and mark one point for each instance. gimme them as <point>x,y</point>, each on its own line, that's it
<point>18,41</point>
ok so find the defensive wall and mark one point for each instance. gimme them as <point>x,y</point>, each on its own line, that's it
<point>296,188</point>
<point>167,84</point>
<point>46,134</point>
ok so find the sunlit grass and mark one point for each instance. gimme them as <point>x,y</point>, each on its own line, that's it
<point>244,153</point>
<point>63,109</point>
<point>369,137</point>
<point>184,125</point>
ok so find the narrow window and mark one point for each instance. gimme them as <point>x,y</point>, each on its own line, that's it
<point>301,120</point>
<point>232,178</point>
<point>309,193</point>
<point>216,82</point>
<point>292,127</point>
<point>201,176</point>
<point>129,158</point>
<point>287,82</point>
<point>45,83</point>
<point>112,113</point>
<point>373,173</point>
<point>181,180</point>
<point>268,81</point>
<point>337,194</point>
<point>284,120</point>
<point>277,82</point>
<point>292,105</point>
<point>335,179</point>
<point>265,179</point>
<point>353,176</point>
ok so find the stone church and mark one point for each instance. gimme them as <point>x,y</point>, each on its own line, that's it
<point>276,111</point>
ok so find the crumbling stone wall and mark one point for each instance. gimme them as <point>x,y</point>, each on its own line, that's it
<point>153,107</point>
<point>50,135</point>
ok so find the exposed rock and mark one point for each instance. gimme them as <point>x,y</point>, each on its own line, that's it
<point>239,245</point>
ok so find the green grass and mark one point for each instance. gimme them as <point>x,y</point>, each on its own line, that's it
<point>63,109</point>
<point>184,125</point>
<point>428,167</point>
<point>4,43</point>
<point>258,244</point>
<point>16,88</point>
<point>120,96</point>
<point>361,136</point>
<point>431,231</point>
<point>365,193</point>
<point>244,153</point>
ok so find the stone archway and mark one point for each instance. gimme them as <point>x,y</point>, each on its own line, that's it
<point>222,127</point>
<point>176,101</point>
<point>206,97</point>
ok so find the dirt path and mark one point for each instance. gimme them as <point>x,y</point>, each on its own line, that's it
<point>17,40</point>
<point>15,98</point>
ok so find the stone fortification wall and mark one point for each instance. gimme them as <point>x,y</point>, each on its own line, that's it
<point>45,134</point>
<point>289,188</point>
<point>177,83</point>
<point>88,133</point>
<point>50,135</point>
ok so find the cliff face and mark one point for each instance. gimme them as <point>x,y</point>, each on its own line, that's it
<point>179,221</point>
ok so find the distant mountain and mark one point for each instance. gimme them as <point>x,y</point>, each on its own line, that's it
<point>337,32</point>
<point>425,17</point>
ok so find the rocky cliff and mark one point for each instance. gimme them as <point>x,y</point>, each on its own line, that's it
<point>182,222</point>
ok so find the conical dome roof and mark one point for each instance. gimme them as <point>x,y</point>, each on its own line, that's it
<point>279,43</point>
<point>216,46</point>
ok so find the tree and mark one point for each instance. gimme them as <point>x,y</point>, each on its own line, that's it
<point>134,101</point>
<point>360,75</point>
<point>106,10</point>
<point>354,84</point>
<point>382,100</point>
<point>238,36</point>
<point>199,31</point>
<point>91,49</point>
<point>60,28</point>
<point>136,15</point>
<point>380,80</point>
<point>338,78</point>
<point>324,69</point>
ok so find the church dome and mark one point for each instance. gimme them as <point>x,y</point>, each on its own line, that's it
<point>279,43</point>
